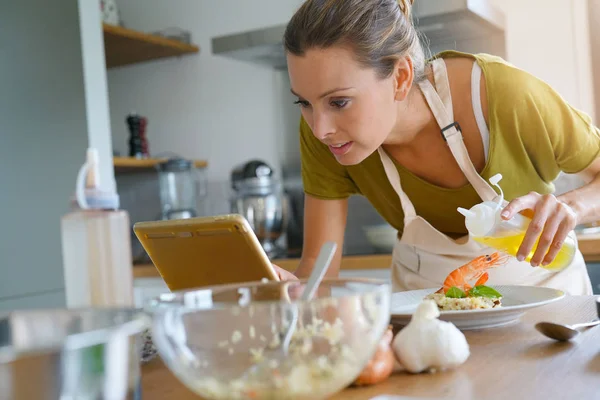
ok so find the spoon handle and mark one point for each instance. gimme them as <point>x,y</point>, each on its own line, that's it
<point>586,324</point>
<point>321,266</point>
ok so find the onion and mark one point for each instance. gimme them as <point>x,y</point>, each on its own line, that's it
<point>380,367</point>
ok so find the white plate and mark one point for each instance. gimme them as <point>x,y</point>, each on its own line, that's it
<point>516,300</point>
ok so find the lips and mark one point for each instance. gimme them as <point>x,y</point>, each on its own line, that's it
<point>340,149</point>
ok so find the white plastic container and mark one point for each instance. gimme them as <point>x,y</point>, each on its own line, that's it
<point>486,226</point>
<point>96,245</point>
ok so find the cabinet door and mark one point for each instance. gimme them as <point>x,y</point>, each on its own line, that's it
<point>43,138</point>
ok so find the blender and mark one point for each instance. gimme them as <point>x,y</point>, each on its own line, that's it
<point>179,188</point>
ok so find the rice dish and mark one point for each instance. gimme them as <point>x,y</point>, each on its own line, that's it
<point>445,303</point>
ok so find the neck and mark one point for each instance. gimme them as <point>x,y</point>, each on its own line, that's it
<point>413,117</point>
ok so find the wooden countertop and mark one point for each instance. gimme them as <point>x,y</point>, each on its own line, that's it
<point>371,261</point>
<point>512,361</point>
<point>589,245</point>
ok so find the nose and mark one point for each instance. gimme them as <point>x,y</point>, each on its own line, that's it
<point>323,125</point>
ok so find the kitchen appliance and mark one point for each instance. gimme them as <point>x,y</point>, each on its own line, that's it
<point>258,196</point>
<point>446,21</point>
<point>71,354</point>
<point>180,188</point>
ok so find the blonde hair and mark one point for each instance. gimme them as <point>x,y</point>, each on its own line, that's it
<point>378,31</point>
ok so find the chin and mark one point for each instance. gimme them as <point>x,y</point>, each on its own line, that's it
<point>350,158</point>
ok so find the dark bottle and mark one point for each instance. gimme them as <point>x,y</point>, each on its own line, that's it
<point>136,149</point>
<point>144,139</point>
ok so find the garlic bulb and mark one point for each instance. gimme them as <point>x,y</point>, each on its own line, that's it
<point>428,344</point>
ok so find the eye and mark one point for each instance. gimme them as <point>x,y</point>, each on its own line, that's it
<point>339,103</point>
<point>302,103</point>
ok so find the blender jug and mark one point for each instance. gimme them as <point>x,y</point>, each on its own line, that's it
<point>179,188</point>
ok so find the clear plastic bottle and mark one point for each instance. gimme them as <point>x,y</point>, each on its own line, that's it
<point>96,245</point>
<point>485,225</point>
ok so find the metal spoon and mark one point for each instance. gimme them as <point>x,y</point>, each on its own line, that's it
<point>316,276</point>
<point>562,332</point>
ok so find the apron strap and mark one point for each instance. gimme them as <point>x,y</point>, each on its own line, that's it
<point>451,129</point>
<point>392,173</point>
<point>478,109</point>
<point>442,86</point>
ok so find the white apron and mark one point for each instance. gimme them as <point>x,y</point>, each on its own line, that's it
<point>424,256</point>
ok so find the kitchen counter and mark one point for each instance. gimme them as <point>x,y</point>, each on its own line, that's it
<point>588,243</point>
<point>512,361</point>
<point>367,261</point>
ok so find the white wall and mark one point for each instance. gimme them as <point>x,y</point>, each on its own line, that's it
<point>546,38</point>
<point>594,25</point>
<point>202,106</point>
<point>551,39</point>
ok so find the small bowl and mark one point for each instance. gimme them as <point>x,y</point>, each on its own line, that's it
<point>382,237</point>
<point>224,342</point>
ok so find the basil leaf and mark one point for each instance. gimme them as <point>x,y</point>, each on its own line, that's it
<point>455,293</point>
<point>484,291</point>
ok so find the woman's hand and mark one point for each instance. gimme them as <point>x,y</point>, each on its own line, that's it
<point>284,275</point>
<point>552,221</point>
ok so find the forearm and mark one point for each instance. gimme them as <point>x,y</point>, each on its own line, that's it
<point>585,201</point>
<point>304,267</point>
<point>306,264</point>
<point>324,221</point>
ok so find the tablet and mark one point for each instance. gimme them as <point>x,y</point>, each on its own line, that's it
<point>205,251</point>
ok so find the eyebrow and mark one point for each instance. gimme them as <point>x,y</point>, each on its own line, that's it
<point>327,93</point>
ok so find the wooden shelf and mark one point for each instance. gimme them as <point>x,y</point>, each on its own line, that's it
<point>129,164</point>
<point>124,46</point>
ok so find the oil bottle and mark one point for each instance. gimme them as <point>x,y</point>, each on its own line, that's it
<point>96,244</point>
<point>485,225</point>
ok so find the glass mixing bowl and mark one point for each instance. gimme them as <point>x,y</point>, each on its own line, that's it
<point>226,342</point>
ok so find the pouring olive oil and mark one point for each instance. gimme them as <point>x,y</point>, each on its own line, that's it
<point>485,225</point>
<point>511,244</point>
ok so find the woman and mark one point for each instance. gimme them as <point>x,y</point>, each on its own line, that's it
<point>420,139</point>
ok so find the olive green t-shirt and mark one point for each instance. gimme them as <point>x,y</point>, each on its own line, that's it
<point>534,134</point>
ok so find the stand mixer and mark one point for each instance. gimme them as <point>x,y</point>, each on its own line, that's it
<point>259,197</point>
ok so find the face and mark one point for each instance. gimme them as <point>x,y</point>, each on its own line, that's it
<point>348,107</point>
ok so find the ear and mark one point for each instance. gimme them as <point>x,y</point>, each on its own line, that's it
<point>403,77</point>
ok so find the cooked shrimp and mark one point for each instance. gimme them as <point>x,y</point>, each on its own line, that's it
<point>475,269</point>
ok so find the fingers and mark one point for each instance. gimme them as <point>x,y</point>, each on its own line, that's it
<point>519,204</point>
<point>542,208</point>
<point>285,275</point>
<point>567,224</point>
<point>550,225</point>
<point>547,237</point>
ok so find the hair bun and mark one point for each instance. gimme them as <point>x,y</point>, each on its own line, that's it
<point>406,7</point>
